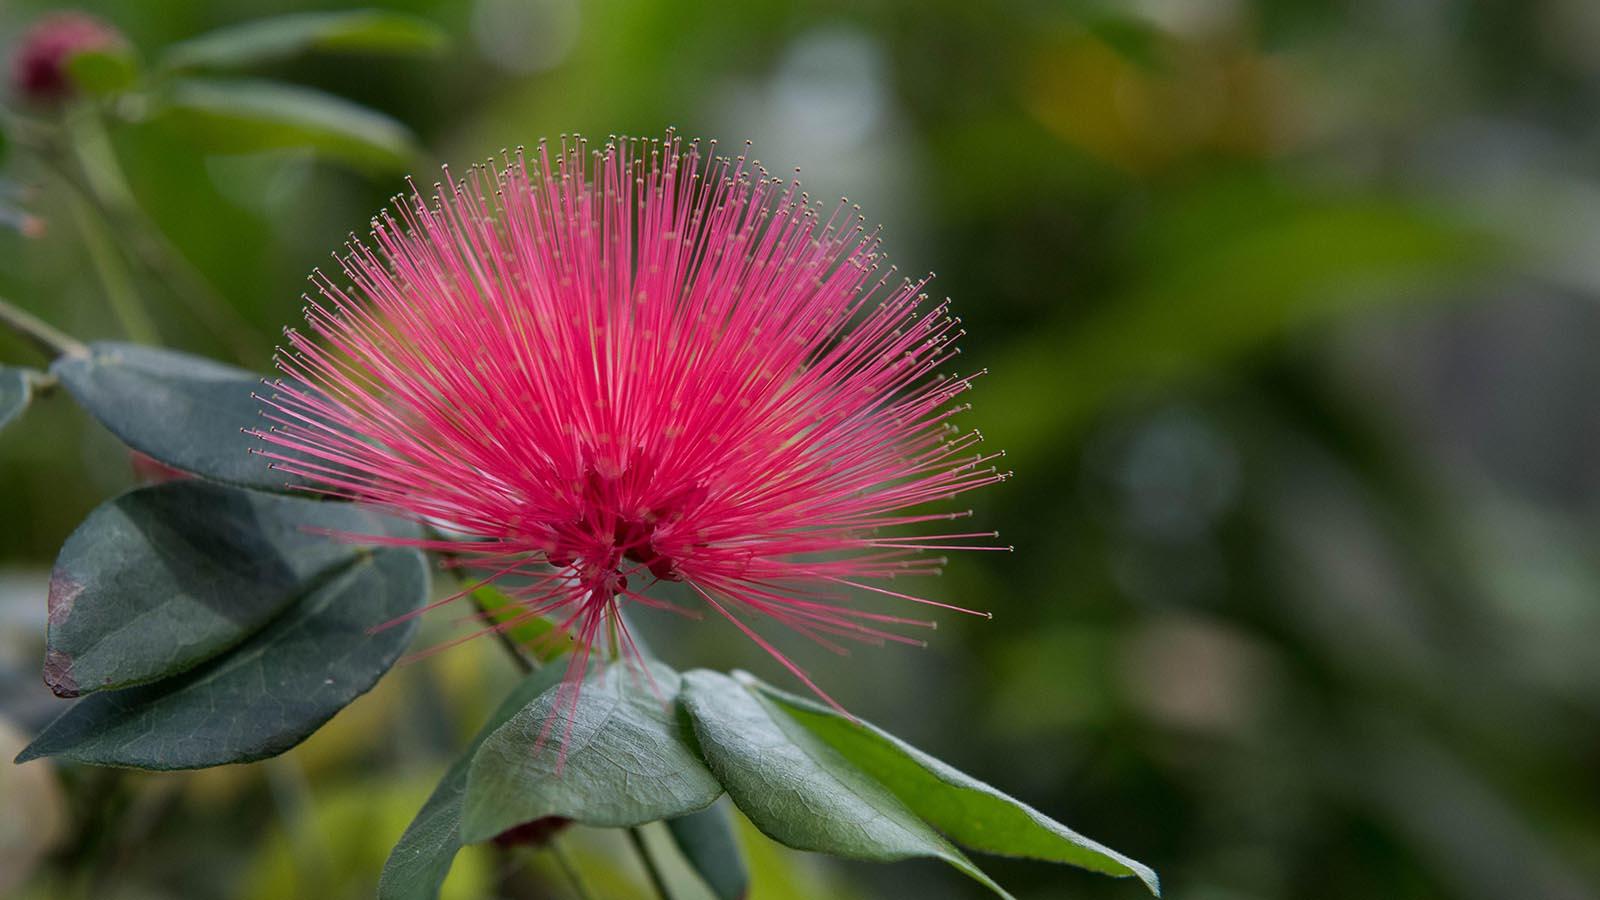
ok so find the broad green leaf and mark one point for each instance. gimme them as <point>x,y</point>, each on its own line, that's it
<point>15,391</point>
<point>165,577</point>
<point>267,694</point>
<point>256,116</point>
<point>280,37</point>
<point>185,411</point>
<point>623,757</point>
<point>963,808</point>
<point>103,72</point>
<point>418,864</point>
<point>798,790</point>
<point>707,841</point>
<point>532,633</point>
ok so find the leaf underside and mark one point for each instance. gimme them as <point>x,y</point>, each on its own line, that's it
<point>798,790</point>
<point>622,757</point>
<point>966,810</point>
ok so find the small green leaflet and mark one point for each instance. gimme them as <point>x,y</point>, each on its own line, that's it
<point>534,634</point>
<point>103,72</point>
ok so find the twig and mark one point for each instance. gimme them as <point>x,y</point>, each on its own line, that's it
<point>636,835</point>
<point>51,341</point>
<point>569,870</point>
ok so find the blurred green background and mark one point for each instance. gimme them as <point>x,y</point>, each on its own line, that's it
<point>1290,309</point>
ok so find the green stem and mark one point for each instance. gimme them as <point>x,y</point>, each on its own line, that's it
<point>636,835</point>
<point>114,277</point>
<point>107,186</point>
<point>526,665</point>
<point>49,340</point>
<point>569,870</point>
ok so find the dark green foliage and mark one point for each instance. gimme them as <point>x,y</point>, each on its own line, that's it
<point>165,577</point>
<point>962,808</point>
<point>798,790</point>
<point>419,862</point>
<point>185,411</point>
<point>264,696</point>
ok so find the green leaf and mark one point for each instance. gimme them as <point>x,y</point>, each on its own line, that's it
<point>531,633</point>
<point>707,841</point>
<point>258,116</point>
<point>16,389</point>
<point>963,808</point>
<point>418,864</point>
<point>280,37</point>
<point>629,759</point>
<point>103,72</point>
<point>185,411</point>
<point>268,694</point>
<point>798,790</point>
<point>165,577</point>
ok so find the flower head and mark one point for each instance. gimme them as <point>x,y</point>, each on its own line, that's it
<point>596,370</point>
<point>39,65</point>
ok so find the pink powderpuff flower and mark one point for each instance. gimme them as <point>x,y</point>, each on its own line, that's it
<point>589,371</point>
<point>39,62</point>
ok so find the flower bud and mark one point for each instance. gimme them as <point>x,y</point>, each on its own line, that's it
<point>39,63</point>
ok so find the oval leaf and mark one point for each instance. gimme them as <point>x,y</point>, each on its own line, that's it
<point>707,841</point>
<point>418,864</point>
<point>965,809</point>
<point>798,790</point>
<point>257,116</point>
<point>629,759</point>
<point>280,37</point>
<point>185,411</point>
<point>165,577</point>
<point>268,694</point>
<point>16,389</point>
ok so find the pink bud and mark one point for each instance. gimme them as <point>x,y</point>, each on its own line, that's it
<point>39,64</point>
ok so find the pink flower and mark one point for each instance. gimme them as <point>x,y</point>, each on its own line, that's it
<point>39,64</point>
<point>592,371</point>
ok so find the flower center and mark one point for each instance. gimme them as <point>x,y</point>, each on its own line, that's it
<point>614,536</point>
